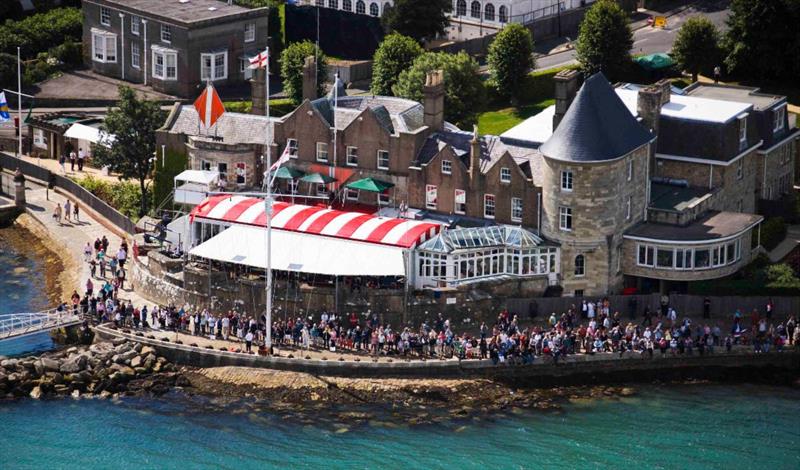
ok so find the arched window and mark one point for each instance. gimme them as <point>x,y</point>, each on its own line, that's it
<point>488,12</point>
<point>386,7</point>
<point>580,265</point>
<point>360,8</point>
<point>333,4</point>
<point>461,8</point>
<point>475,10</point>
<point>503,14</point>
<point>347,5</point>
<point>373,9</point>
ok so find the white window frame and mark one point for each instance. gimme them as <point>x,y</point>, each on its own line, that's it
<point>742,132</point>
<point>244,68</point>
<point>431,202</point>
<point>105,16</point>
<point>136,21</point>
<point>457,204</point>
<point>630,170</point>
<point>236,173</point>
<point>165,28</point>
<point>383,198</point>
<point>382,157</point>
<point>566,180</point>
<point>351,156</point>
<point>165,55</point>
<point>136,55</point>
<point>778,119</point>
<point>351,194</point>
<point>582,265</point>
<point>489,202</point>
<point>740,168</point>
<point>104,39</point>
<point>293,147</point>
<point>505,175</point>
<point>516,209</point>
<point>212,67</point>
<point>628,209</point>
<point>322,189</point>
<point>447,167</point>
<point>565,222</point>
<point>249,32</point>
<point>322,152</point>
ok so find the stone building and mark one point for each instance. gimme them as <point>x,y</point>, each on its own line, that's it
<point>174,46</point>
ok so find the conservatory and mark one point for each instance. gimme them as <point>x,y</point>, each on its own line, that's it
<point>464,255</point>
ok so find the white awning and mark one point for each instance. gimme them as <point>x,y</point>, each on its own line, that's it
<point>197,176</point>
<point>92,134</point>
<point>293,251</point>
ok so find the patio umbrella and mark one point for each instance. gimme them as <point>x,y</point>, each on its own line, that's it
<point>657,61</point>
<point>370,184</point>
<point>286,173</point>
<point>317,178</point>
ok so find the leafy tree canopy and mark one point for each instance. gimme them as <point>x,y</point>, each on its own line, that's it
<point>419,19</point>
<point>292,60</point>
<point>133,124</point>
<point>696,49</point>
<point>605,40</point>
<point>510,59</point>
<point>395,54</point>
<point>464,91</point>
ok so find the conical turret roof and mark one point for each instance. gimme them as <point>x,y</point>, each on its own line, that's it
<point>596,127</point>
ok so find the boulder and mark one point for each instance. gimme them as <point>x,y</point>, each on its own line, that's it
<point>136,361</point>
<point>125,357</point>
<point>50,365</point>
<point>140,370</point>
<point>36,393</point>
<point>119,377</point>
<point>9,363</point>
<point>149,361</point>
<point>137,347</point>
<point>75,364</point>
<point>118,341</point>
<point>76,394</point>
<point>72,350</point>
<point>146,350</point>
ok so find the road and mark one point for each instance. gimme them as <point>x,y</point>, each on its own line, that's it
<point>648,40</point>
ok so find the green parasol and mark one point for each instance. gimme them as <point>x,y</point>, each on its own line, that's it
<point>370,184</point>
<point>286,173</point>
<point>317,178</point>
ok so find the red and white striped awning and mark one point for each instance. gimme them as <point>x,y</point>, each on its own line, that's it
<point>316,220</point>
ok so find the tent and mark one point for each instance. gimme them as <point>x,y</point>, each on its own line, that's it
<point>89,133</point>
<point>370,184</point>
<point>302,252</point>
<point>658,61</point>
<point>193,186</point>
<point>317,178</point>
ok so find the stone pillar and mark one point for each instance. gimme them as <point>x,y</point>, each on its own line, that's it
<point>433,100</point>
<point>310,79</point>
<point>19,189</point>
<point>648,105</point>
<point>567,82</point>
<point>258,91</point>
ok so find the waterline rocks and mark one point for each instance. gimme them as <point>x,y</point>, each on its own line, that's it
<point>104,369</point>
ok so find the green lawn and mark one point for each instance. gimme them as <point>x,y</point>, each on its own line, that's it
<point>277,107</point>
<point>498,121</point>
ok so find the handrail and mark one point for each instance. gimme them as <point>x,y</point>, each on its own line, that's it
<point>20,324</point>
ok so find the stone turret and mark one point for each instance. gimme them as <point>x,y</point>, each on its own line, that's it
<point>310,79</point>
<point>433,100</point>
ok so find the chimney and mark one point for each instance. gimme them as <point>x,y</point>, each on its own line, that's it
<point>648,105</point>
<point>433,100</point>
<point>474,154</point>
<point>567,84</point>
<point>665,87</point>
<point>258,92</point>
<point>310,79</point>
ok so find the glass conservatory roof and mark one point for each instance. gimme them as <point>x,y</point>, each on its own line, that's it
<point>481,237</point>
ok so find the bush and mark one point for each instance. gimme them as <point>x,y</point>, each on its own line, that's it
<point>39,32</point>
<point>773,231</point>
<point>782,276</point>
<point>70,54</point>
<point>124,196</point>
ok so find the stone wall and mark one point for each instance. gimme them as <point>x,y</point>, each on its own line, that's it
<point>215,153</point>
<point>776,165</point>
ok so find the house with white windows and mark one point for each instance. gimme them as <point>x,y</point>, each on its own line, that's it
<point>174,46</point>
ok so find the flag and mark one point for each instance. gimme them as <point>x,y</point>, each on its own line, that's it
<point>285,156</point>
<point>4,113</point>
<point>209,107</point>
<point>260,61</point>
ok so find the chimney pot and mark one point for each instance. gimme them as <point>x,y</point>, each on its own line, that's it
<point>433,100</point>
<point>567,82</point>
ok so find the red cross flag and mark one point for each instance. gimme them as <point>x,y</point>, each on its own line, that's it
<point>209,107</point>
<point>260,61</point>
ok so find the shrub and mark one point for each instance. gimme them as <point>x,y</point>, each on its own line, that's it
<point>773,231</point>
<point>124,196</point>
<point>782,276</point>
<point>38,33</point>
<point>70,54</point>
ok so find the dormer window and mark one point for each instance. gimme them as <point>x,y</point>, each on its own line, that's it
<point>743,132</point>
<point>779,116</point>
<point>505,175</point>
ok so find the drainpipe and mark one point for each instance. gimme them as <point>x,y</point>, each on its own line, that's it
<point>146,53</point>
<point>539,207</point>
<point>710,176</point>
<point>122,28</point>
<point>764,182</point>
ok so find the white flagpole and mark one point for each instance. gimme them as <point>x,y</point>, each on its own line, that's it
<point>268,206</point>
<point>332,169</point>
<point>19,100</point>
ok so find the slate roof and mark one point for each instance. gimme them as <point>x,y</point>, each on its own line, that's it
<point>597,126</point>
<point>713,226</point>
<point>190,12</point>
<point>395,114</point>
<point>234,128</point>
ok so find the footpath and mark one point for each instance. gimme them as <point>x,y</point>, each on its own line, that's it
<point>68,239</point>
<point>787,245</point>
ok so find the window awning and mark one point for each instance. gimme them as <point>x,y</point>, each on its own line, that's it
<point>299,252</point>
<point>92,134</point>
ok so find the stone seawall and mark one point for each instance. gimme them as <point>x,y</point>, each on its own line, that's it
<point>579,369</point>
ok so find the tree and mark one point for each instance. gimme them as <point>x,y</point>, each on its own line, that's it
<point>510,59</point>
<point>395,54</point>
<point>422,20</point>
<point>696,48</point>
<point>292,60</point>
<point>133,124</point>
<point>605,40</point>
<point>761,41</point>
<point>464,91</point>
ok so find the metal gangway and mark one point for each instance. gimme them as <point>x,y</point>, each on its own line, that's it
<point>17,325</point>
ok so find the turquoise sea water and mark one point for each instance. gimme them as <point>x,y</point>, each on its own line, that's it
<point>21,281</point>
<point>671,427</point>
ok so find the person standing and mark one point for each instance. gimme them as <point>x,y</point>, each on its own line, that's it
<point>76,212</point>
<point>72,161</point>
<point>248,341</point>
<point>67,210</point>
<point>57,213</point>
<point>121,255</point>
<point>769,308</point>
<point>81,158</point>
<point>61,161</point>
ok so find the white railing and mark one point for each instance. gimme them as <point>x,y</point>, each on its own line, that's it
<point>21,324</point>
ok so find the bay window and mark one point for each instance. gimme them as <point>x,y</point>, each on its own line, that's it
<point>104,46</point>
<point>165,63</point>
<point>214,66</point>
